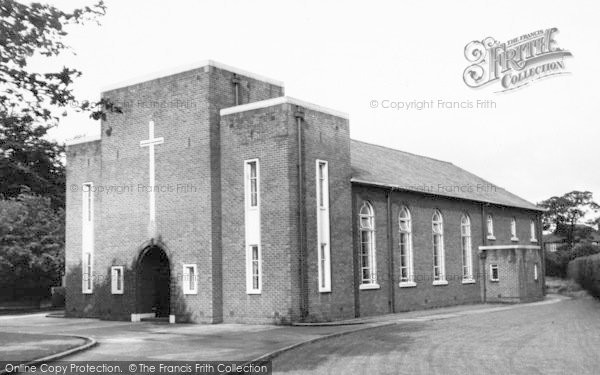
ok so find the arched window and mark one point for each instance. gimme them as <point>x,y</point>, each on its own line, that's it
<point>513,229</point>
<point>367,245</point>
<point>532,231</point>
<point>467,252</point>
<point>406,251</point>
<point>490,227</point>
<point>437,226</point>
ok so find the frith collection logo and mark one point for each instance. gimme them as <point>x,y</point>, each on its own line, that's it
<point>514,63</point>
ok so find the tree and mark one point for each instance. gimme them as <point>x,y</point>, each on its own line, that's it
<point>565,212</point>
<point>30,162</point>
<point>31,246</point>
<point>30,101</point>
<point>30,29</point>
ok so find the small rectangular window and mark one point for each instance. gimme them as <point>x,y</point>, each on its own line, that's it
<point>190,279</point>
<point>535,272</point>
<point>117,279</point>
<point>494,272</point>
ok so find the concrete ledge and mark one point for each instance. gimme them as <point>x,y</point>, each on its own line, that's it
<point>329,324</point>
<point>136,318</point>
<point>89,343</point>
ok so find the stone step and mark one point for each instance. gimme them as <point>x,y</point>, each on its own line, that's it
<point>157,319</point>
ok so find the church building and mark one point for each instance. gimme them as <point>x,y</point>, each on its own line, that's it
<point>215,198</point>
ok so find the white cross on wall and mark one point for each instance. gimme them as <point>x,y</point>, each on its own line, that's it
<point>150,143</point>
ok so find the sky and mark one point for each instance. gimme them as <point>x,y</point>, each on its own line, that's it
<point>538,141</point>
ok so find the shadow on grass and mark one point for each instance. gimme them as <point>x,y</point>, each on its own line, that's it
<point>376,341</point>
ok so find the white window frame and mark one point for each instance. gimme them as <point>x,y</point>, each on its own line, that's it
<point>513,230</point>
<point>252,226</point>
<point>532,231</point>
<point>490,227</point>
<point>466,249</point>
<point>250,275</point>
<point>441,279</point>
<point>87,238</point>
<point>116,278</point>
<point>189,282</point>
<point>406,260</point>
<point>492,267</point>
<point>248,183</point>
<point>323,235</point>
<point>87,273</point>
<point>371,282</point>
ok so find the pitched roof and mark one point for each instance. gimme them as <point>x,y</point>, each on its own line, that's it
<point>382,166</point>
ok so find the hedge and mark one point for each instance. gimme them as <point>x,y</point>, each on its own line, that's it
<point>586,272</point>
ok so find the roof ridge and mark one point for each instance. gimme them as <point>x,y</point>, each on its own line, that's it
<point>404,152</point>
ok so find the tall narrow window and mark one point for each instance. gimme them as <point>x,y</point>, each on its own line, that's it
<point>323,248</point>
<point>532,234</point>
<point>467,252</point>
<point>535,272</point>
<point>322,173</point>
<point>87,237</point>
<point>252,167</point>
<point>490,227</point>
<point>253,270</point>
<point>322,266</point>
<point>513,229</point>
<point>437,225</point>
<point>117,279</point>
<point>190,279</point>
<point>406,251</point>
<point>252,227</point>
<point>255,259</point>
<point>368,265</point>
<point>88,278</point>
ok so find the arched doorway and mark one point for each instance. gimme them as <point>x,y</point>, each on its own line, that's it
<point>154,282</point>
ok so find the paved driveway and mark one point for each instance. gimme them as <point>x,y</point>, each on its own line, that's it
<point>554,338</point>
<point>150,341</point>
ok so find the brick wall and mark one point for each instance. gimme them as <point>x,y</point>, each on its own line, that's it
<point>326,137</point>
<point>200,212</point>
<point>268,135</point>
<point>185,108</point>
<point>83,165</point>
<point>517,281</point>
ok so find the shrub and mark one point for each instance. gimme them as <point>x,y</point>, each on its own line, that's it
<point>557,262</point>
<point>586,271</point>
<point>58,296</point>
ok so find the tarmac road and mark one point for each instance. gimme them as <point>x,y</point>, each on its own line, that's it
<point>556,338</point>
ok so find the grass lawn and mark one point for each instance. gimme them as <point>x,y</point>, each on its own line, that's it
<point>24,347</point>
